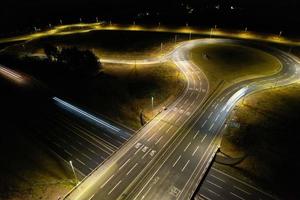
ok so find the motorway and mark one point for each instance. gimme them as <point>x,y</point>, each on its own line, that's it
<point>169,157</point>
<point>218,185</point>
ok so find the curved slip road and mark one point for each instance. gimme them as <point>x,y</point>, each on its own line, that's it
<point>168,157</point>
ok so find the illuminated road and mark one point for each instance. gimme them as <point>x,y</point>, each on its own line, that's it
<point>219,185</point>
<point>169,156</point>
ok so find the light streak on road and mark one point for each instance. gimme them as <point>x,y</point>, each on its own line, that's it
<point>83,113</point>
<point>11,74</point>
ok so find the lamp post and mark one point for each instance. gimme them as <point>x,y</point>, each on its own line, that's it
<point>152,101</point>
<point>74,171</point>
<point>190,37</point>
<point>175,39</point>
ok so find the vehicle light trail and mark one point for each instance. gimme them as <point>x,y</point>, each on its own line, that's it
<point>83,113</point>
<point>11,74</point>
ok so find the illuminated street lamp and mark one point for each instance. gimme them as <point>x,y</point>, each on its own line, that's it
<point>97,20</point>
<point>73,171</point>
<point>246,29</point>
<point>133,23</point>
<point>152,101</point>
<point>187,24</point>
<point>60,21</point>
<point>49,25</point>
<point>80,20</point>
<point>280,33</point>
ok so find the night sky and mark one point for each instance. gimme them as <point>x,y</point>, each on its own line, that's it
<point>260,15</point>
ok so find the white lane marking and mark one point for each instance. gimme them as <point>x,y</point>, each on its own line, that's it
<point>86,156</point>
<point>92,196</point>
<point>124,164</point>
<point>185,165</point>
<point>114,187</point>
<point>107,181</point>
<point>205,197</point>
<point>240,189</point>
<point>91,150</point>
<point>187,147</point>
<point>146,153</point>
<point>169,129</point>
<point>214,184</point>
<point>80,161</point>
<point>222,98</point>
<point>212,192</point>
<point>242,182</point>
<point>216,106</point>
<point>217,117</point>
<point>68,152</point>
<point>195,150</point>
<point>218,178</point>
<point>176,161</point>
<point>146,192</point>
<point>196,134</point>
<point>210,115</point>
<point>211,126</point>
<point>138,149</point>
<point>203,138</point>
<point>237,196</point>
<point>178,119</point>
<point>158,140</point>
<point>131,169</point>
<point>203,123</point>
<point>160,127</point>
<point>153,134</point>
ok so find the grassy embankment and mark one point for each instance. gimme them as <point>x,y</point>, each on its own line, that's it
<point>233,63</point>
<point>120,92</point>
<point>28,171</point>
<point>269,137</point>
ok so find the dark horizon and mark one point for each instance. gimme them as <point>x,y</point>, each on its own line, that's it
<point>262,16</point>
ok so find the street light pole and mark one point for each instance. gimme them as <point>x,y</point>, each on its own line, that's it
<point>74,171</point>
<point>211,31</point>
<point>190,35</point>
<point>175,39</point>
<point>152,101</point>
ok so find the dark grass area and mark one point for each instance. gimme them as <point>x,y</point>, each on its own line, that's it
<point>269,135</point>
<point>109,42</point>
<point>230,62</point>
<point>28,170</point>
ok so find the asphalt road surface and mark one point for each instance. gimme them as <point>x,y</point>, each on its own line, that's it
<point>218,185</point>
<point>169,157</point>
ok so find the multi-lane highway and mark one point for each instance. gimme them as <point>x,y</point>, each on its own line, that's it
<point>218,185</point>
<point>170,155</point>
